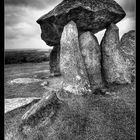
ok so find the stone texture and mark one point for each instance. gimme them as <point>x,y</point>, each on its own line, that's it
<point>91,53</point>
<point>114,66</point>
<point>14,103</point>
<point>89,15</point>
<point>54,61</point>
<point>29,115</point>
<point>128,50</point>
<point>71,62</point>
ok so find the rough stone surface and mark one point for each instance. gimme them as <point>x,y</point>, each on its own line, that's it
<point>35,109</point>
<point>54,61</point>
<point>89,15</point>
<point>71,62</point>
<point>114,66</point>
<point>128,50</point>
<point>11,104</point>
<point>91,53</point>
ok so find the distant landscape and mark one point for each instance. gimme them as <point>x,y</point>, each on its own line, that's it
<point>25,71</point>
<point>26,56</point>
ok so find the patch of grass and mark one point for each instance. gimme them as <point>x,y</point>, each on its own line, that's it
<point>27,70</point>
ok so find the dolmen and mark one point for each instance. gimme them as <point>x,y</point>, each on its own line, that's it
<point>89,15</point>
<point>97,96</point>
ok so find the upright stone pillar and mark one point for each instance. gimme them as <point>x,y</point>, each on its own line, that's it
<point>114,66</point>
<point>128,50</point>
<point>71,62</point>
<point>55,61</point>
<point>91,53</point>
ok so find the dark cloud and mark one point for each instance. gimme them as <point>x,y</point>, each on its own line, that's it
<point>21,16</point>
<point>129,6</point>
<point>39,4</point>
<point>12,17</point>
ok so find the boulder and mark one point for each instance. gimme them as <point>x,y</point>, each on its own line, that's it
<point>115,68</point>
<point>91,53</point>
<point>71,62</point>
<point>128,50</point>
<point>89,15</point>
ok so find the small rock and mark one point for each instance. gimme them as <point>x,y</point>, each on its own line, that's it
<point>45,84</point>
<point>71,62</point>
<point>114,66</point>
<point>23,81</point>
<point>92,57</point>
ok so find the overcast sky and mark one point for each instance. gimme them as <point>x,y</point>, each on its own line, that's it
<point>22,31</point>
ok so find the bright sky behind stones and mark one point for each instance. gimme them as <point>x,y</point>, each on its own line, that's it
<point>22,31</point>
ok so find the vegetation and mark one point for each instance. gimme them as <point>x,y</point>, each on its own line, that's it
<point>26,56</point>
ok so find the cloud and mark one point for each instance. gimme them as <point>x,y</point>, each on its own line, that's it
<point>20,43</point>
<point>22,31</point>
<point>20,22</point>
<point>12,15</point>
<point>129,6</point>
<point>38,4</point>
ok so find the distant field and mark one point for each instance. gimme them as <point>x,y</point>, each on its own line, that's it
<point>24,72</point>
<point>26,56</point>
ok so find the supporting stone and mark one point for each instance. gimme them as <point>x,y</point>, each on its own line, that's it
<point>128,50</point>
<point>54,61</point>
<point>114,66</point>
<point>91,53</point>
<point>71,62</point>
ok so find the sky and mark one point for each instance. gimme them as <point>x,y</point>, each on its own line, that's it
<point>22,31</point>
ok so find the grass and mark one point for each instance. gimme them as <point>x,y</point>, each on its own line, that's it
<point>27,70</point>
<point>102,117</point>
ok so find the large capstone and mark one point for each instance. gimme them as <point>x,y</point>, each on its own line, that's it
<point>91,53</point>
<point>114,66</point>
<point>128,50</point>
<point>71,62</point>
<point>89,15</point>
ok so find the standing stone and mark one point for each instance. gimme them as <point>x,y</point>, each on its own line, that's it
<point>71,62</point>
<point>54,61</point>
<point>128,50</point>
<point>114,66</point>
<point>92,57</point>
